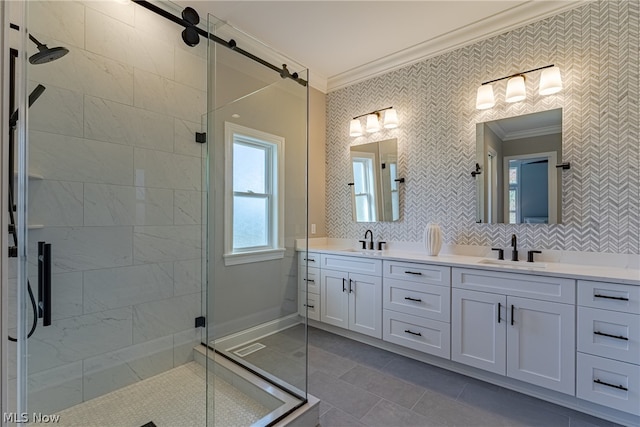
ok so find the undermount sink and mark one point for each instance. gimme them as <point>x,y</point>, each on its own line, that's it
<point>513,264</point>
<point>362,251</point>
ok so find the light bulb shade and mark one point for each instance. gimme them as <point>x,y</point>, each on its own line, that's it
<point>485,98</point>
<point>373,124</point>
<point>355,128</point>
<point>391,118</point>
<point>516,90</point>
<point>550,81</point>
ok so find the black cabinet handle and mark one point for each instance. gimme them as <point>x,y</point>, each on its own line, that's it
<point>618,337</point>
<point>499,313</point>
<point>417,273</point>
<point>46,298</point>
<point>343,284</point>
<point>413,299</point>
<point>412,333</point>
<point>512,309</point>
<point>608,297</point>
<point>350,288</point>
<point>619,387</point>
<point>310,306</point>
<point>310,259</point>
<point>310,280</point>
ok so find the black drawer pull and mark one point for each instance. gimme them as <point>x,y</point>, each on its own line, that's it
<point>310,259</point>
<point>512,309</point>
<point>608,297</point>
<point>618,337</point>
<point>619,387</point>
<point>413,299</point>
<point>310,280</point>
<point>310,306</point>
<point>417,273</point>
<point>498,312</point>
<point>412,333</point>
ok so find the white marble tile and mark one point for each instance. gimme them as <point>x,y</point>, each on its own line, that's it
<point>185,138</point>
<point>167,170</point>
<point>57,110</point>
<point>125,286</point>
<point>66,158</point>
<point>119,205</point>
<point>114,39</point>
<point>66,295</point>
<point>183,344</point>
<point>166,243</point>
<point>114,122</point>
<point>187,277</point>
<point>114,370</point>
<point>61,20</point>
<point>122,11</point>
<point>86,72</point>
<point>165,96</point>
<point>55,203</point>
<point>55,389</point>
<point>80,337</point>
<point>84,248</point>
<point>160,318</point>
<point>190,69</point>
<point>187,207</point>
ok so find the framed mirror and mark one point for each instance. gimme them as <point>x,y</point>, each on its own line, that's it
<point>516,176</point>
<point>374,189</point>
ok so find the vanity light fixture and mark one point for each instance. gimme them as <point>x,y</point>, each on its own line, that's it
<point>550,83</point>
<point>390,121</point>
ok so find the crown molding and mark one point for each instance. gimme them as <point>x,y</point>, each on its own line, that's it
<point>516,17</point>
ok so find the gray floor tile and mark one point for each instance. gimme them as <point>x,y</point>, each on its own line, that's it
<point>341,394</point>
<point>324,407</point>
<point>329,363</point>
<point>285,367</point>
<point>385,386</point>
<point>388,414</point>
<point>358,352</point>
<point>283,343</point>
<point>337,418</point>
<point>445,411</point>
<point>584,420</point>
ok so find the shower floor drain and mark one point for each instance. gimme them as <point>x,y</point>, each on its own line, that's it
<point>249,349</point>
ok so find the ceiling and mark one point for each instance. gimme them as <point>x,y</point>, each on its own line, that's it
<point>343,42</point>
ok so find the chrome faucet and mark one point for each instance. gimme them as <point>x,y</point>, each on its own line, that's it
<point>370,233</point>
<point>514,245</point>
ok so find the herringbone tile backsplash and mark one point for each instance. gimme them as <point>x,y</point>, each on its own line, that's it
<point>597,49</point>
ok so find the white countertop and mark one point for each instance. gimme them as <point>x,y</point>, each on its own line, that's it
<point>615,274</point>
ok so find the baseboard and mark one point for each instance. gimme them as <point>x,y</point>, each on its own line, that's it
<point>232,341</point>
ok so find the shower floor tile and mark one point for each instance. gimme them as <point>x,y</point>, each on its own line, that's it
<point>172,399</point>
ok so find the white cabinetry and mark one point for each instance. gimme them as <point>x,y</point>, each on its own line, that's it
<point>416,302</point>
<point>609,345</point>
<point>510,324</point>
<point>349,298</point>
<point>309,285</point>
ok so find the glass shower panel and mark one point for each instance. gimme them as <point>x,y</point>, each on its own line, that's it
<point>116,192</point>
<point>257,210</point>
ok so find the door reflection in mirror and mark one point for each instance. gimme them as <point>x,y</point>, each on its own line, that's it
<point>375,195</point>
<point>520,182</point>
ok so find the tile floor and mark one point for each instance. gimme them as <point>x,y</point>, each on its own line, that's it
<point>361,385</point>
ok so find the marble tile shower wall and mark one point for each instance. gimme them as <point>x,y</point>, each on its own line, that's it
<point>596,47</point>
<point>120,198</point>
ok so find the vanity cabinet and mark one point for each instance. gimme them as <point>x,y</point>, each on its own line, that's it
<point>349,298</point>
<point>609,345</point>
<point>416,306</point>
<point>512,324</point>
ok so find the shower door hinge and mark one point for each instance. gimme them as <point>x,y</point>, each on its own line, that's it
<point>201,137</point>
<point>200,322</point>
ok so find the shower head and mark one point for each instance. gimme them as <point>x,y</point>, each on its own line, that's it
<point>46,54</point>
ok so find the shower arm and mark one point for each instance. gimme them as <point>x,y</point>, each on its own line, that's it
<point>231,44</point>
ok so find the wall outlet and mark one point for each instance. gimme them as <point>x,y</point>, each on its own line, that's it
<point>313,229</point>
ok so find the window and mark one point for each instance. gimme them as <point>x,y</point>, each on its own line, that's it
<point>364,186</point>
<point>514,187</point>
<point>254,195</point>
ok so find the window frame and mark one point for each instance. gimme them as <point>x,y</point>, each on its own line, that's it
<point>274,175</point>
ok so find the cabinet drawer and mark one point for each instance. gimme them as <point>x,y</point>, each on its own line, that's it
<point>312,306</point>
<point>313,259</point>
<point>609,383</point>
<point>609,334</point>
<point>352,264</point>
<point>422,273</point>
<point>520,285</point>
<point>312,280</point>
<point>433,302</point>
<point>418,333</point>
<point>610,296</point>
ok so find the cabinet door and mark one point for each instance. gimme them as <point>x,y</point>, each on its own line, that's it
<point>334,301</point>
<point>365,304</point>
<point>478,329</point>
<point>541,343</point>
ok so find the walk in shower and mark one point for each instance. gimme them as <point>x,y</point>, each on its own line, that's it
<point>159,183</point>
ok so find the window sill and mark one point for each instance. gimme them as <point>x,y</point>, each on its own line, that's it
<point>249,257</point>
